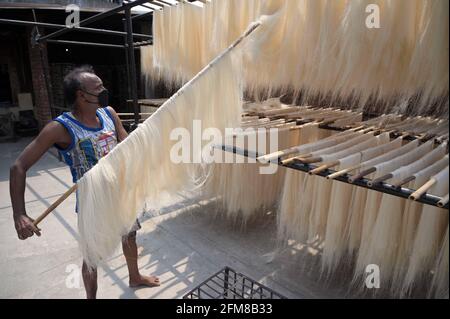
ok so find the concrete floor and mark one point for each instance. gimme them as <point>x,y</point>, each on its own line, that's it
<point>182,246</point>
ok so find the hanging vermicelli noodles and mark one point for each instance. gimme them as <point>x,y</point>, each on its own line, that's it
<point>293,191</point>
<point>305,185</point>
<point>335,219</point>
<point>356,210</point>
<point>114,191</point>
<point>374,246</point>
<point>147,62</point>
<point>226,20</point>
<point>371,207</point>
<point>411,217</point>
<point>238,199</point>
<point>429,63</point>
<point>298,227</point>
<point>422,163</point>
<point>387,234</point>
<point>322,187</point>
<point>430,233</point>
<point>178,38</point>
<point>326,51</point>
<point>439,284</point>
<point>326,54</point>
<point>230,181</point>
<point>187,36</point>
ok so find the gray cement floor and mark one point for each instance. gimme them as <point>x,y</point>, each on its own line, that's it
<point>182,246</point>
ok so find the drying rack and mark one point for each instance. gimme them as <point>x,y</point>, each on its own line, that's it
<point>382,187</point>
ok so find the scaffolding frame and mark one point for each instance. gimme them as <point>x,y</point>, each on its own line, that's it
<point>128,37</point>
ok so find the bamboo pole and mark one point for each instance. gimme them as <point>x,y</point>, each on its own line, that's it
<point>422,190</point>
<point>379,180</point>
<point>342,172</point>
<point>293,159</point>
<point>361,174</point>
<point>309,160</point>
<point>279,111</point>
<point>405,181</point>
<point>323,167</point>
<point>55,204</point>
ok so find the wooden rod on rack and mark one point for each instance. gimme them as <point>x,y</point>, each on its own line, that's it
<point>366,172</point>
<point>309,160</point>
<point>379,179</point>
<point>403,182</point>
<point>422,190</point>
<point>323,167</point>
<point>343,172</point>
<point>293,159</point>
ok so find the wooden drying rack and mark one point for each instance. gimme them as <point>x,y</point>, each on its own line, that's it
<point>328,124</point>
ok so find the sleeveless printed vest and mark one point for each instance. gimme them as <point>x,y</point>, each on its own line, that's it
<point>88,144</point>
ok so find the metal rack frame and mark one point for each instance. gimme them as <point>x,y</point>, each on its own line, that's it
<point>363,182</point>
<point>230,284</point>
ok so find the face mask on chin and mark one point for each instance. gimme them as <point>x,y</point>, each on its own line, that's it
<point>102,97</point>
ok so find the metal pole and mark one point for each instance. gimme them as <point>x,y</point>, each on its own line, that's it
<point>106,45</point>
<point>159,6</point>
<point>363,182</point>
<point>166,4</point>
<point>132,66</point>
<point>143,15</point>
<point>139,44</point>
<point>95,18</point>
<point>82,29</point>
<point>127,60</point>
<point>136,45</point>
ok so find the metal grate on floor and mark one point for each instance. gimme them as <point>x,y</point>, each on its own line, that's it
<point>229,284</point>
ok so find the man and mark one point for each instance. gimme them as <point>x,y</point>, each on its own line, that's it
<point>82,136</point>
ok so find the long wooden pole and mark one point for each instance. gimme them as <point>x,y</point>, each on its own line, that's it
<point>55,204</point>
<point>323,167</point>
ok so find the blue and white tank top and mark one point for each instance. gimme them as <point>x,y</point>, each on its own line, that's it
<point>88,144</point>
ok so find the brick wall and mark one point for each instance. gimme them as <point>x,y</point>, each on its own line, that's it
<point>57,73</point>
<point>113,77</point>
<point>40,92</point>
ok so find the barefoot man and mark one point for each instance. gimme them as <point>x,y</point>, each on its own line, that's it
<point>82,137</point>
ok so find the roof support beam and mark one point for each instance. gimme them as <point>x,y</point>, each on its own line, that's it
<point>81,29</point>
<point>95,18</point>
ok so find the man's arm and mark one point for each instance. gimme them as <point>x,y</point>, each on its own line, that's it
<point>121,132</point>
<point>51,134</point>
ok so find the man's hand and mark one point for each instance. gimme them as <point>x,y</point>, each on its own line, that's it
<point>25,227</point>
<point>53,133</point>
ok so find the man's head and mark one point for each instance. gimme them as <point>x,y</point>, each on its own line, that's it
<point>84,89</point>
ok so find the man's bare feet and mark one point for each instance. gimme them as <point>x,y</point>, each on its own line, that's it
<point>149,281</point>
